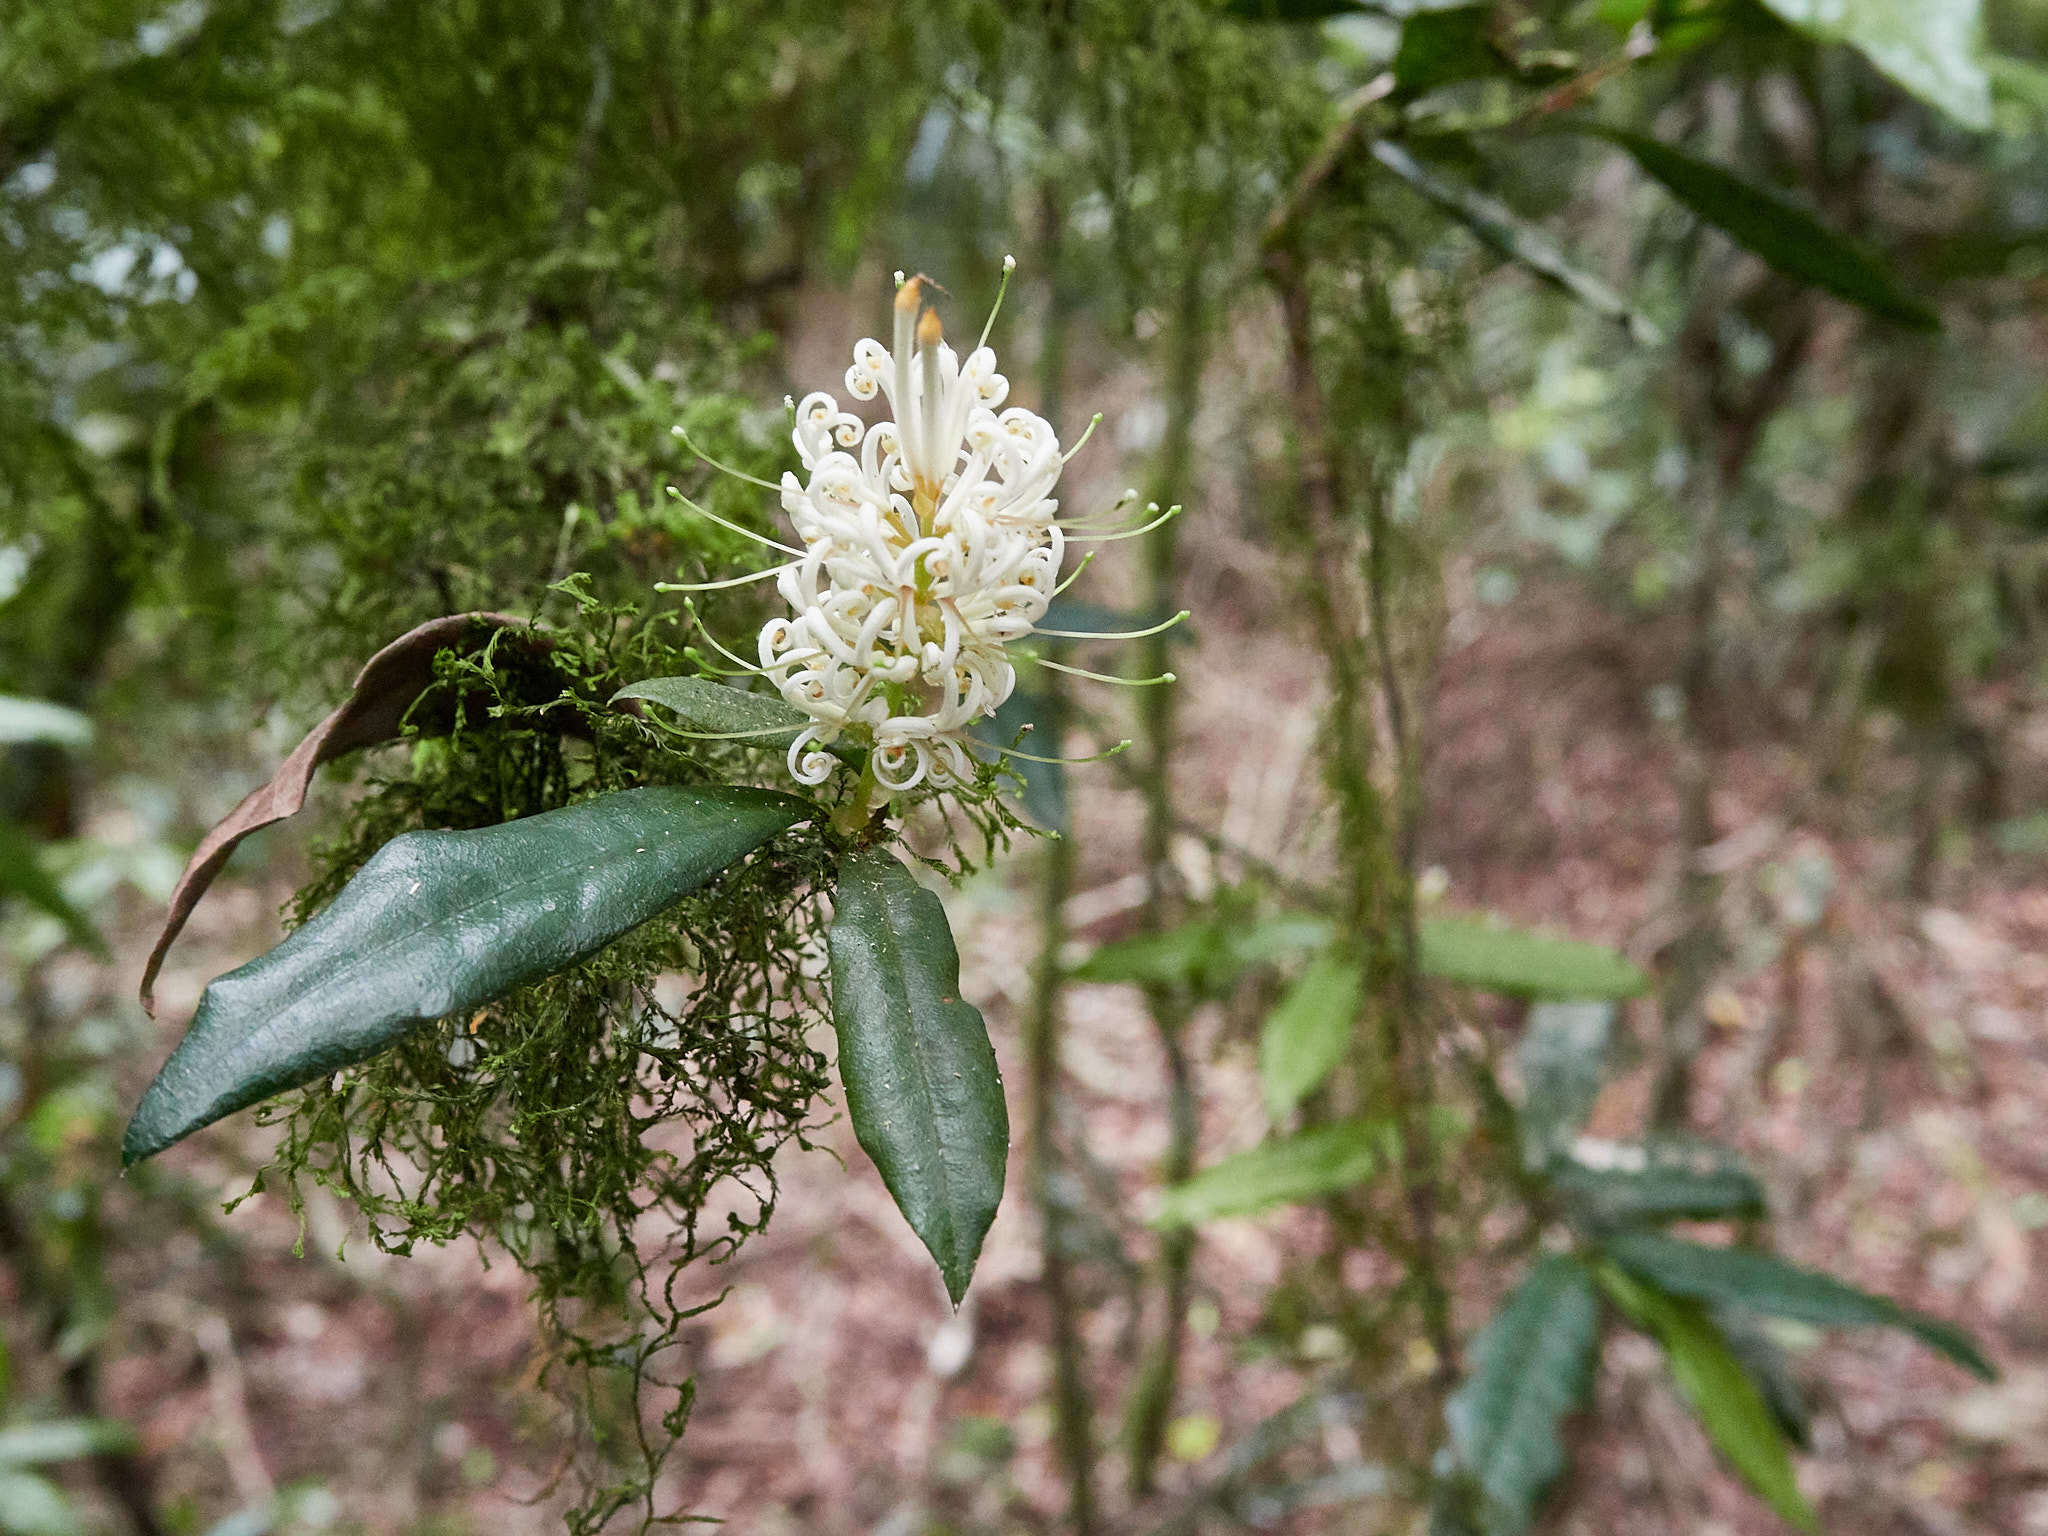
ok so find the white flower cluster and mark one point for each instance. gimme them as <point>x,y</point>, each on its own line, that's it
<point>930,541</point>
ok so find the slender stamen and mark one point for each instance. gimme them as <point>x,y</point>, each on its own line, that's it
<point>737,474</point>
<point>1068,761</point>
<point>1082,441</point>
<point>1111,634</point>
<point>758,538</point>
<point>1073,575</point>
<point>786,659</point>
<point>718,586</point>
<point>1104,677</point>
<point>1009,266</point>
<point>1100,519</point>
<point>1128,533</point>
<point>706,665</point>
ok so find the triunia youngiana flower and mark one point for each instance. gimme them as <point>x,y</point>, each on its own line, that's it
<point>931,541</point>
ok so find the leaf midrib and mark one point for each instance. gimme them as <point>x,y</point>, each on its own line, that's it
<point>281,1020</point>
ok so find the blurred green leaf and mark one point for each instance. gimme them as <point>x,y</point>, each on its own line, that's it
<point>1562,1061</point>
<point>1530,1366</point>
<point>2022,836</point>
<point>1765,221</point>
<point>34,1506</point>
<point>1507,232</point>
<point>1210,954</point>
<point>62,1440</point>
<point>1765,1361</point>
<point>1657,1179</point>
<point>922,1086</point>
<point>1443,47</point>
<point>1306,1033</point>
<point>23,720</point>
<point>1318,1162</point>
<point>1728,1403</point>
<point>439,922</point>
<point>765,720</point>
<point>1762,1282</point>
<point>1477,952</point>
<point>1291,10</point>
<point>22,874</point>
<point>1934,48</point>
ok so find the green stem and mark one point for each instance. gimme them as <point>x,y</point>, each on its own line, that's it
<point>1152,1399</point>
<point>851,816</point>
<point>1073,1419</point>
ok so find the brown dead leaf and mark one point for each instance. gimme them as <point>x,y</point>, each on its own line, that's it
<point>383,691</point>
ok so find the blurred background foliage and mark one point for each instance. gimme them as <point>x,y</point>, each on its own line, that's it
<point>323,317</point>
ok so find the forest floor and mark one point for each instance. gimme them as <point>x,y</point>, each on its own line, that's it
<point>1889,1075</point>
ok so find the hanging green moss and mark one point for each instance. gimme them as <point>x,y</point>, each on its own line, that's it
<point>585,1123</point>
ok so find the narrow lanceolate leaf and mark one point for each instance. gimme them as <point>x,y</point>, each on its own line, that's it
<point>1730,1407</point>
<point>762,719</point>
<point>1762,1282</point>
<point>1783,233</point>
<point>1771,1370</point>
<point>922,1086</point>
<point>1315,1163</point>
<point>1476,952</point>
<point>1515,238</point>
<point>1562,1061</point>
<point>1530,1367</point>
<point>439,922</point>
<point>1618,1184</point>
<point>1306,1033</point>
<point>1211,954</point>
<point>1934,48</point>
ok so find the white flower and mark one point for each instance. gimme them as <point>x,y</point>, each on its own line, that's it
<point>930,542</point>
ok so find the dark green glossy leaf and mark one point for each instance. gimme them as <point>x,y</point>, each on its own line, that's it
<point>1783,233</point>
<point>62,1440</point>
<point>1318,1162</point>
<point>1734,1412</point>
<point>922,1086</point>
<point>1762,1282</point>
<point>439,922</point>
<point>1476,952</point>
<point>1562,1060</point>
<point>1530,1367</point>
<point>1934,48</point>
<point>1440,48</point>
<point>762,719</point>
<point>1658,1179</point>
<point>1306,1034</point>
<point>1515,238</point>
